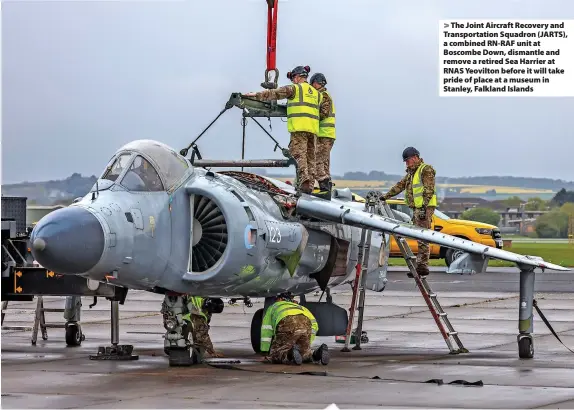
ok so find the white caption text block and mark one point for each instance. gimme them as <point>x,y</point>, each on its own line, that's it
<point>495,58</point>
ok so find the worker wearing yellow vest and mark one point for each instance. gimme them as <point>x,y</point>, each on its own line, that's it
<point>287,332</point>
<point>420,196</point>
<point>326,136</point>
<point>302,122</point>
<point>199,316</point>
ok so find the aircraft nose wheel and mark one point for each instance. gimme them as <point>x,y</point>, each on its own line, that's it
<point>525,347</point>
<point>74,335</point>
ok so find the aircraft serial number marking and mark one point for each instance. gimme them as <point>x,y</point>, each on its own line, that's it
<point>274,234</point>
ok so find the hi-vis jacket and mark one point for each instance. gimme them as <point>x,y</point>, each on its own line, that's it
<point>195,307</point>
<point>303,110</point>
<point>278,311</point>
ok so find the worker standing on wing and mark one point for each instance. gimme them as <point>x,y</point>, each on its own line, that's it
<point>420,196</point>
<point>287,332</point>
<point>302,122</point>
<point>198,317</point>
<point>325,137</point>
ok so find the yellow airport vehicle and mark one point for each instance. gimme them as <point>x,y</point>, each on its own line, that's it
<point>485,234</point>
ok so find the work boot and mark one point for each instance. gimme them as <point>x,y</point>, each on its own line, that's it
<point>306,187</point>
<point>294,355</point>
<point>325,189</point>
<point>321,354</point>
<point>422,272</point>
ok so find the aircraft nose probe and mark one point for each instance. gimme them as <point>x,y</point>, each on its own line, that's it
<point>68,240</point>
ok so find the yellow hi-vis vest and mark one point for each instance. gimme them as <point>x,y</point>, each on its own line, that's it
<point>418,189</point>
<point>327,126</point>
<point>303,110</point>
<point>277,312</point>
<point>196,308</point>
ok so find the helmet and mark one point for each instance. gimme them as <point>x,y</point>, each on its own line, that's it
<point>410,152</point>
<point>299,70</point>
<point>318,78</point>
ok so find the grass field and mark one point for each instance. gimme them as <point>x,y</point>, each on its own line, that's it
<point>465,189</point>
<point>481,189</point>
<point>558,253</point>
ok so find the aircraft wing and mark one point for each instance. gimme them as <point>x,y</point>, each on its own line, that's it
<point>335,212</point>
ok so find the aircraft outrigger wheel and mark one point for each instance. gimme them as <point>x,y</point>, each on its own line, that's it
<point>116,351</point>
<point>74,334</point>
<point>525,347</point>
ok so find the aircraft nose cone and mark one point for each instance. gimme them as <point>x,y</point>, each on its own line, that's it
<point>69,240</point>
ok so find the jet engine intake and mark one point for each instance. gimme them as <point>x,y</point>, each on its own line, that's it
<point>209,234</point>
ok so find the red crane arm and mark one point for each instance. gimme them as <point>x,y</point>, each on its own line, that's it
<point>271,44</point>
<point>271,33</point>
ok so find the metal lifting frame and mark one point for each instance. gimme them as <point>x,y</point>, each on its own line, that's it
<point>439,315</point>
<point>251,109</point>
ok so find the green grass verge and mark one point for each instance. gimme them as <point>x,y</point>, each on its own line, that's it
<point>558,253</point>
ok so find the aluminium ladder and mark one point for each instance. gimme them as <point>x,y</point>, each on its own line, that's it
<point>430,297</point>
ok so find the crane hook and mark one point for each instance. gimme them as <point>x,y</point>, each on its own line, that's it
<point>270,84</point>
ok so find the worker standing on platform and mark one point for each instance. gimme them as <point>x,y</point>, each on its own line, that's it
<point>199,316</point>
<point>302,122</point>
<point>420,196</point>
<point>326,136</point>
<point>287,332</point>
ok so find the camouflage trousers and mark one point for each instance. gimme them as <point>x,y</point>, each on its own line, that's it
<point>291,331</point>
<point>423,253</point>
<point>302,148</point>
<point>200,334</point>
<point>323,161</point>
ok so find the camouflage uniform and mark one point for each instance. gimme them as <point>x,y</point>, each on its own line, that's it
<point>200,329</point>
<point>292,330</point>
<point>324,145</point>
<point>421,217</point>
<point>302,144</point>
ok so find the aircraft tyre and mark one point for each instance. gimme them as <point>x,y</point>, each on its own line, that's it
<point>525,347</point>
<point>182,357</point>
<point>451,255</point>
<point>256,330</point>
<point>74,335</point>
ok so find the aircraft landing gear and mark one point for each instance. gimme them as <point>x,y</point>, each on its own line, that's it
<point>74,334</point>
<point>115,351</point>
<point>525,316</point>
<point>246,301</point>
<point>176,343</point>
<point>72,313</point>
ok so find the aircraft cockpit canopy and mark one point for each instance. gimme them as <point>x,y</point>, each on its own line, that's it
<point>146,165</point>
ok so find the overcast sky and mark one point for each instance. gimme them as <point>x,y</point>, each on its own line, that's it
<point>82,78</point>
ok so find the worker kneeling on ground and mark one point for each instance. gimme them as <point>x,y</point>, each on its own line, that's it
<point>287,332</point>
<point>199,315</point>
